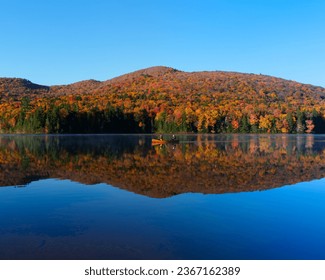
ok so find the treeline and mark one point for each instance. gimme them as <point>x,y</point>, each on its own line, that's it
<point>292,122</point>
<point>69,114</point>
<point>55,116</point>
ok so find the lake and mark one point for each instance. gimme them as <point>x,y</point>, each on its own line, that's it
<point>119,197</point>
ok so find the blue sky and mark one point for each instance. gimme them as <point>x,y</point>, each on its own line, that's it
<point>59,42</point>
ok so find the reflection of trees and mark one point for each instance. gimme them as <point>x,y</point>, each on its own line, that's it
<point>201,163</point>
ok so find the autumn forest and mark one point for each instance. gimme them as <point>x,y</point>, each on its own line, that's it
<point>164,100</point>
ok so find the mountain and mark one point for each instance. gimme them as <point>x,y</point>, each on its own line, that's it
<point>184,82</point>
<point>163,99</point>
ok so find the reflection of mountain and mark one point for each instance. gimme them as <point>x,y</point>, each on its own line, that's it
<point>230,164</point>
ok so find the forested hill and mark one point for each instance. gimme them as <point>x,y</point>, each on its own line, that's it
<point>163,99</point>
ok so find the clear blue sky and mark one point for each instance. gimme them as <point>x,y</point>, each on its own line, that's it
<point>58,42</point>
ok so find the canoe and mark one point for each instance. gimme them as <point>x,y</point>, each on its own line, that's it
<point>161,142</point>
<point>158,141</point>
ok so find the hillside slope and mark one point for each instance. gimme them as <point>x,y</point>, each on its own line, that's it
<point>163,99</point>
<point>16,88</point>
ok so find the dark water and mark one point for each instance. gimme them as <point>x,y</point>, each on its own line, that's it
<point>118,197</point>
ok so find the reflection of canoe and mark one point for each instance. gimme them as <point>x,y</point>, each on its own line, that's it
<point>173,141</point>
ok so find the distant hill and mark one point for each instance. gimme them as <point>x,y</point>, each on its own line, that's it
<point>163,99</point>
<point>15,88</point>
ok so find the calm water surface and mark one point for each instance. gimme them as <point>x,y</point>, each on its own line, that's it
<point>119,197</point>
